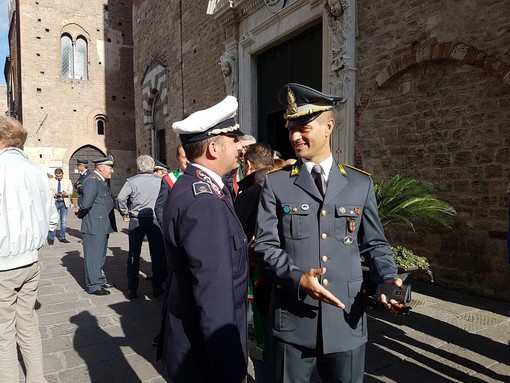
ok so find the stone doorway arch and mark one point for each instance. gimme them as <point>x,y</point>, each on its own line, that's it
<point>86,152</point>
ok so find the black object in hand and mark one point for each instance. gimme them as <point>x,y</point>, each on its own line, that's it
<point>400,294</point>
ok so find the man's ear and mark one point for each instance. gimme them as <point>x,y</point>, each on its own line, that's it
<point>213,149</point>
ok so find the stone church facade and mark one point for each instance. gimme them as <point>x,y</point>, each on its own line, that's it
<point>69,79</point>
<point>426,87</point>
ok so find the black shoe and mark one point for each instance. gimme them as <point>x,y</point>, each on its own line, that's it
<point>63,240</point>
<point>108,285</point>
<point>51,241</point>
<point>157,291</point>
<point>100,292</point>
<point>148,278</point>
<point>155,341</point>
<point>132,294</point>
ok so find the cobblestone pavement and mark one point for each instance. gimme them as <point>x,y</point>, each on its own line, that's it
<point>101,339</point>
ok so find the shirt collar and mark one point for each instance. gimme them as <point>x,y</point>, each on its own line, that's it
<point>325,165</point>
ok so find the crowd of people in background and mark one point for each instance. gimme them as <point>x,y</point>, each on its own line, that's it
<point>255,256</point>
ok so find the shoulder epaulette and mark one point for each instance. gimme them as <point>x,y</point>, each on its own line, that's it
<point>286,167</point>
<point>359,170</point>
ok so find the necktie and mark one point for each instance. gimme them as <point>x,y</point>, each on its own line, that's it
<point>317,178</point>
<point>59,187</point>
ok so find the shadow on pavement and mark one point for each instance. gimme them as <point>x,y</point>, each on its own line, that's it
<point>101,352</point>
<point>428,349</point>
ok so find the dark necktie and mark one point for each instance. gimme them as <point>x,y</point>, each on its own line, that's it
<point>317,178</point>
<point>59,187</point>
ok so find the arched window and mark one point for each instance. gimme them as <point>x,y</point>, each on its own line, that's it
<point>100,125</point>
<point>80,59</point>
<point>74,57</point>
<point>67,56</point>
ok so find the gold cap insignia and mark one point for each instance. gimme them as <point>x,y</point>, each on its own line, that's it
<point>291,101</point>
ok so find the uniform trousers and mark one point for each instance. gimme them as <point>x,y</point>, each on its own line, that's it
<point>94,254</point>
<point>146,226</point>
<point>19,324</point>
<point>294,364</point>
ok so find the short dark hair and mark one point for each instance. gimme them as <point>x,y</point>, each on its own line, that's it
<point>59,171</point>
<point>260,155</point>
<point>196,149</point>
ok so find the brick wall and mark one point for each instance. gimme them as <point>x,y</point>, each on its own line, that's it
<point>434,104</point>
<point>59,113</point>
<point>194,78</point>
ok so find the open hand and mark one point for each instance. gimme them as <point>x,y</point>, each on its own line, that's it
<point>309,284</point>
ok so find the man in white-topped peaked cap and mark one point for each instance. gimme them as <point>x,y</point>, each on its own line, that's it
<point>203,336</point>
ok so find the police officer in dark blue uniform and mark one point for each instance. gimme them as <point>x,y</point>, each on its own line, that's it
<point>204,332</point>
<point>314,219</point>
<point>98,221</point>
<point>84,173</point>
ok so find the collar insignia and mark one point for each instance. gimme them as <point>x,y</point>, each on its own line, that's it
<point>295,171</point>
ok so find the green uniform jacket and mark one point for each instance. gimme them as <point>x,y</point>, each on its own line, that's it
<point>298,229</point>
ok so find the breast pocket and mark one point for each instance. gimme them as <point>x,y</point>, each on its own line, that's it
<point>296,220</point>
<point>347,221</point>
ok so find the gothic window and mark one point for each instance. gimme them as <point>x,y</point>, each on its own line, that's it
<point>80,59</point>
<point>100,125</point>
<point>74,57</point>
<point>67,56</point>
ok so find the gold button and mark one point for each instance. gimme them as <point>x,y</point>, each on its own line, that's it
<point>324,213</point>
<point>324,258</point>
<point>325,282</point>
<point>324,236</point>
<point>294,209</point>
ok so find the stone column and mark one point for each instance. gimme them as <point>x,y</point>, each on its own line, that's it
<point>340,16</point>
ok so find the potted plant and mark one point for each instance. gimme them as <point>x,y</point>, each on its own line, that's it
<point>407,201</point>
<point>74,197</point>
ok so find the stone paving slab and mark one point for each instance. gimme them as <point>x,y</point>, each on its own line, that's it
<point>448,337</point>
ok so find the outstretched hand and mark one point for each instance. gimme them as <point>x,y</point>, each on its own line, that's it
<point>309,284</point>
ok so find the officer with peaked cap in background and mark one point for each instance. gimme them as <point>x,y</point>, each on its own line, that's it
<point>160,169</point>
<point>84,173</point>
<point>204,331</point>
<point>314,219</point>
<point>98,221</point>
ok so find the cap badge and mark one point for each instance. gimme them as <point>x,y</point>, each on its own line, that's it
<point>291,101</point>
<point>305,207</point>
<point>286,209</point>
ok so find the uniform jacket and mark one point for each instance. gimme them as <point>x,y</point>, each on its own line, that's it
<point>67,187</point>
<point>97,200</point>
<point>78,184</point>
<point>204,330</point>
<point>27,209</point>
<point>298,230</point>
<point>166,184</point>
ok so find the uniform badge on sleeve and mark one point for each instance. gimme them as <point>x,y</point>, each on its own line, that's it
<point>201,188</point>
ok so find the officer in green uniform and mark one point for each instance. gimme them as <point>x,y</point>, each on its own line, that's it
<point>98,221</point>
<point>314,220</point>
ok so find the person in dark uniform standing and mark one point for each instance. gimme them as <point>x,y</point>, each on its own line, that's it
<point>98,221</point>
<point>314,219</point>
<point>84,173</point>
<point>204,330</point>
